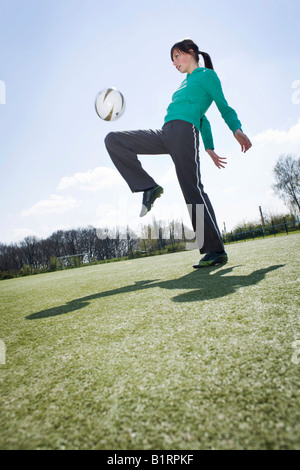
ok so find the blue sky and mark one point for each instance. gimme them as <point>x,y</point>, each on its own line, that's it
<point>55,55</point>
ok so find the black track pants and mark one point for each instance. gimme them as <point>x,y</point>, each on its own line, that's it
<point>180,139</point>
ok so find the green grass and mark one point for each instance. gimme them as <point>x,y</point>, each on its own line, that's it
<point>151,354</point>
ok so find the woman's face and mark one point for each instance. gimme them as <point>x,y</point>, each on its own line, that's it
<point>185,63</point>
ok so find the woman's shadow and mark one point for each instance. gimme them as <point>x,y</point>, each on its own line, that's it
<point>207,284</point>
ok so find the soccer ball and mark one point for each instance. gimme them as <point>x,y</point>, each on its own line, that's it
<point>110,104</point>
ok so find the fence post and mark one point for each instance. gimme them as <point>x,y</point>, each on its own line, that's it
<point>286,228</point>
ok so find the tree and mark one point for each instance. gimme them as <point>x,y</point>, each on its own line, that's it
<point>29,249</point>
<point>287,179</point>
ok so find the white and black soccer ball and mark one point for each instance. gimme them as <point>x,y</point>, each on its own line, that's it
<point>110,104</point>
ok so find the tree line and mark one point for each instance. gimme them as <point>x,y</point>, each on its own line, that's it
<point>72,248</point>
<point>75,247</point>
<point>269,224</point>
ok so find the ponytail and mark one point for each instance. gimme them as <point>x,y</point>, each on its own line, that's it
<point>207,60</point>
<point>186,46</point>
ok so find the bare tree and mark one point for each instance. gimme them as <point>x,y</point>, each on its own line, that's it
<point>29,249</point>
<point>287,179</point>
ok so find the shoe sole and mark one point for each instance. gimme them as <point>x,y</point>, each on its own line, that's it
<point>159,191</point>
<point>207,264</point>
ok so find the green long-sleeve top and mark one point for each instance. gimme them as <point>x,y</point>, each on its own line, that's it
<point>193,98</point>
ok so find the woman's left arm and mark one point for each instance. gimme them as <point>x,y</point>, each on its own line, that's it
<point>214,89</point>
<point>243,140</point>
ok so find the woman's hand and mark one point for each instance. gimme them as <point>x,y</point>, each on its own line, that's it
<point>242,140</point>
<point>218,161</point>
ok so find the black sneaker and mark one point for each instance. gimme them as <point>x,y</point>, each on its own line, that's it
<point>211,258</point>
<point>149,197</point>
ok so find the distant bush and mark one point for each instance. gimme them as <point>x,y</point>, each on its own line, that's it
<point>6,275</point>
<point>53,263</point>
<point>25,270</point>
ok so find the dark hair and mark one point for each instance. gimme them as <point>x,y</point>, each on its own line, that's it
<point>186,45</point>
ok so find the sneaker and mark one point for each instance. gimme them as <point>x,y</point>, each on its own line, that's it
<point>149,197</point>
<point>211,258</point>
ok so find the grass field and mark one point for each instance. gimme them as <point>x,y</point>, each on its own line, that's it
<point>151,354</point>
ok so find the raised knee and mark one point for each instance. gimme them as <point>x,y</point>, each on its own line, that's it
<point>109,139</point>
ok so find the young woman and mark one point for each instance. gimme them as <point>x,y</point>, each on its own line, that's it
<point>179,137</point>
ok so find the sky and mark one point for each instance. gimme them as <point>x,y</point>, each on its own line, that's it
<point>56,55</point>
